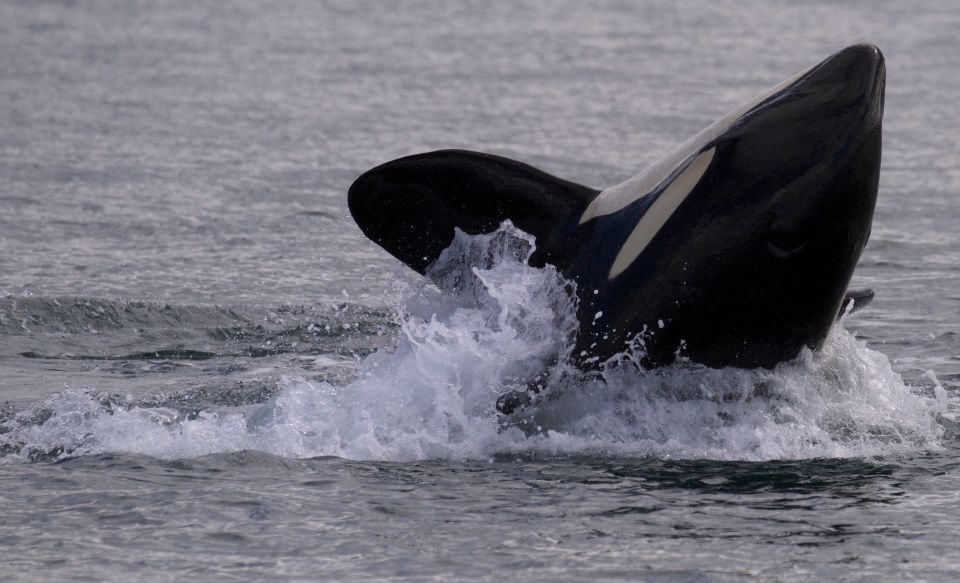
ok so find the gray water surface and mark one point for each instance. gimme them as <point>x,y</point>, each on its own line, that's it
<point>188,313</point>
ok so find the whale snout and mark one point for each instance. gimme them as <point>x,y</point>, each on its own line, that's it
<point>871,65</point>
<point>867,52</point>
<point>854,77</point>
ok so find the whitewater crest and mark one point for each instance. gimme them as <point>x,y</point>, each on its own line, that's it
<point>489,324</point>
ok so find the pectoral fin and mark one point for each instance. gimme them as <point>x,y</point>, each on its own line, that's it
<point>410,206</point>
<point>854,301</point>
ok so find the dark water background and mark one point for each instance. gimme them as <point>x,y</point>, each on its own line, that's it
<point>185,303</point>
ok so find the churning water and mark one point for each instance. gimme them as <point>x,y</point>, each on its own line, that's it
<point>493,324</point>
<point>208,373</point>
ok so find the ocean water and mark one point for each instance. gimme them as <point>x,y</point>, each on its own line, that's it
<point>208,373</point>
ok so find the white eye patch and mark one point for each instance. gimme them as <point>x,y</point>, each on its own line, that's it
<point>660,211</point>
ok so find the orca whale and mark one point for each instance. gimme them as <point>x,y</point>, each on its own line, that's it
<point>735,249</point>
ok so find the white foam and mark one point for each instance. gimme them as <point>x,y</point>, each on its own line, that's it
<point>493,327</point>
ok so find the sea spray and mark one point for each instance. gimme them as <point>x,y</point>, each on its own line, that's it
<point>486,323</point>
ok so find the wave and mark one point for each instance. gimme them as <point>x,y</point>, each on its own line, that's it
<point>76,328</point>
<point>490,325</point>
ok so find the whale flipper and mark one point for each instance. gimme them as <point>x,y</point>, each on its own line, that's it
<point>410,206</point>
<point>859,297</point>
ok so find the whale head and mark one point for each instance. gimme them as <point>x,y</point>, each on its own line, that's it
<point>737,248</point>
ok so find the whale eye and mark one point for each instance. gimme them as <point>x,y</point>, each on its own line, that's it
<point>785,243</point>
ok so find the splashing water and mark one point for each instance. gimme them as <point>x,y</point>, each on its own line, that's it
<point>488,325</point>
